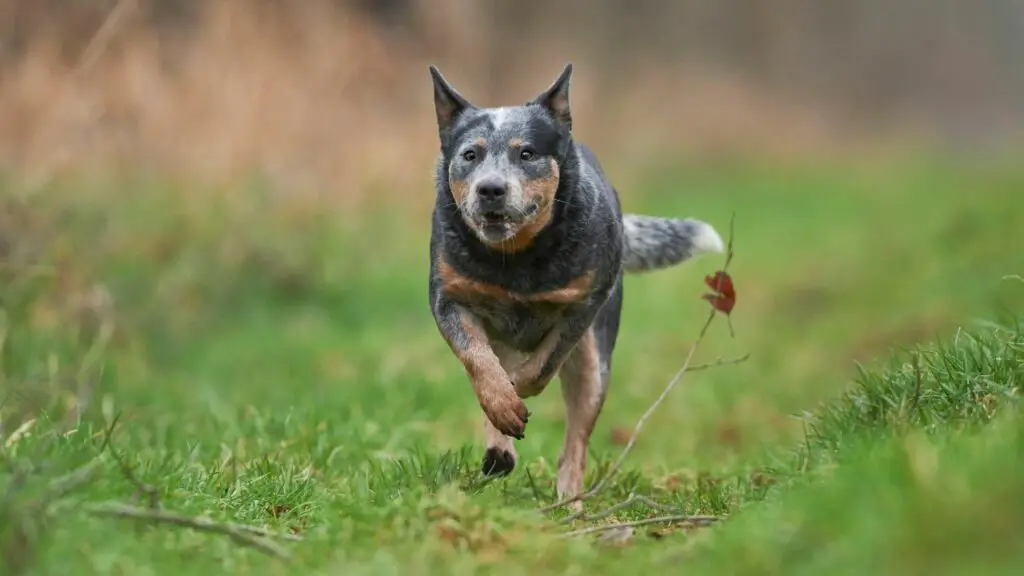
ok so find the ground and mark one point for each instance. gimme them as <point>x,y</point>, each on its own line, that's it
<point>275,367</point>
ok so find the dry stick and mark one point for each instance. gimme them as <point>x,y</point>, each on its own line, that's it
<point>141,488</point>
<point>917,381</point>
<point>66,484</point>
<point>628,502</point>
<point>664,393</point>
<point>251,536</point>
<point>719,362</point>
<point>246,535</point>
<point>580,515</point>
<point>639,426</point>
<point>677,519</point>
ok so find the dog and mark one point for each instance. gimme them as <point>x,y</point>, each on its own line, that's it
<point>528,248</point>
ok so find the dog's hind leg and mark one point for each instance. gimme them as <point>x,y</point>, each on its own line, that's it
<point>584,380</point>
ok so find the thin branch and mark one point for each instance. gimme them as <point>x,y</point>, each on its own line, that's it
<point>639,425</point>
<point>728,260</point>
<point>720,362</point>
<point>141,488</point>
<point>676,519</point>
<point>251,536</point>
<point>596,488</point>
<point>627,503</point>
<point>732,236</point>
<point>64,485</point>
<point>917,380</point>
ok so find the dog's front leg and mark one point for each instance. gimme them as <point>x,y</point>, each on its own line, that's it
<point>465,335</point>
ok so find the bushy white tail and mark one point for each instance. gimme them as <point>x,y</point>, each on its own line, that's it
<point>652,243</point>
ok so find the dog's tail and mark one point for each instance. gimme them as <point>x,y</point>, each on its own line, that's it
<point>652,243</point>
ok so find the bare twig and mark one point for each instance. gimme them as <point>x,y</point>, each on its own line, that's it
<point>676,519</point>
<point>64,485</point>
<point>643,420</point>
<point>917,381</point>
<point>728,260</point>
<point>251,536</point>
<point>627,503</point>
<point>141,488</point>
<point>719,362</point>
<point>597,487</point>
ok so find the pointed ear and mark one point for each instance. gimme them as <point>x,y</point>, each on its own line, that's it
<point>448,103</point>
<point>556,98</point>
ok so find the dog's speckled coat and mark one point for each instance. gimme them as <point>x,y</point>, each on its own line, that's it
<point>527,251</point>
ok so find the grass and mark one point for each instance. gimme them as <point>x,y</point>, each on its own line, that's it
<point>264,364</point>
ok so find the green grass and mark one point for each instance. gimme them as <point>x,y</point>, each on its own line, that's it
<point>267,365</point>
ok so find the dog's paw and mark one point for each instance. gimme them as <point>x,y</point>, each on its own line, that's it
<point>498,462</point>
<point>507,412</point>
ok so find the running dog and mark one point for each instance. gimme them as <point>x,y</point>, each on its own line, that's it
<point>528,249</point>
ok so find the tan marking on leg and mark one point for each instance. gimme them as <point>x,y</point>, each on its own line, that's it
<point>582,391</point>
<point>543,191</point>
<point>493,388</point>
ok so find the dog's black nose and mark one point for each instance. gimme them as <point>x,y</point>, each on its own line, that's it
<point>491,190</point>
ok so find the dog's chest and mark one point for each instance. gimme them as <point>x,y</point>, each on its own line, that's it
<point>516,312</point>
<point>520,325</point>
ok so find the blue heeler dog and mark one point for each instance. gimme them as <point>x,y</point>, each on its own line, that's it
<point>527,251</point>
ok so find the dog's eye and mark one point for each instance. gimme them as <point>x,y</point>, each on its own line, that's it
<point>526,155</point>
<point>469,155</point>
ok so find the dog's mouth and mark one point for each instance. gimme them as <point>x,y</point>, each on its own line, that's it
<point>497,225</point>
<point>494,217</point>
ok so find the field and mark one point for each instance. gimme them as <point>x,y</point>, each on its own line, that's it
<point>275,364</point>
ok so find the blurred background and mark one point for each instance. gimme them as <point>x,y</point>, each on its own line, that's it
<point>225,203</point>
<point>333,96</point>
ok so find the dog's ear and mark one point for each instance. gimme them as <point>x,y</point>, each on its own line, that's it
<point>448,103</point>
<point>556,98</point>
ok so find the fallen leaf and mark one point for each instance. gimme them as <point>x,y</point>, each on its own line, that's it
<point>724,297</point>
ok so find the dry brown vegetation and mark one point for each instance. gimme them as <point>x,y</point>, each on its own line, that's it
<point>324,101</point>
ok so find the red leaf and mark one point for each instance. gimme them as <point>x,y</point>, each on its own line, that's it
<point>724,297</point>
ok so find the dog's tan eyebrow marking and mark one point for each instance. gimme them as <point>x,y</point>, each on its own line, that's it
<point>515,142</point>
<point>480,142</point>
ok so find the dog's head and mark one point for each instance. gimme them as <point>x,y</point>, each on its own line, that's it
<point>504,164</point>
